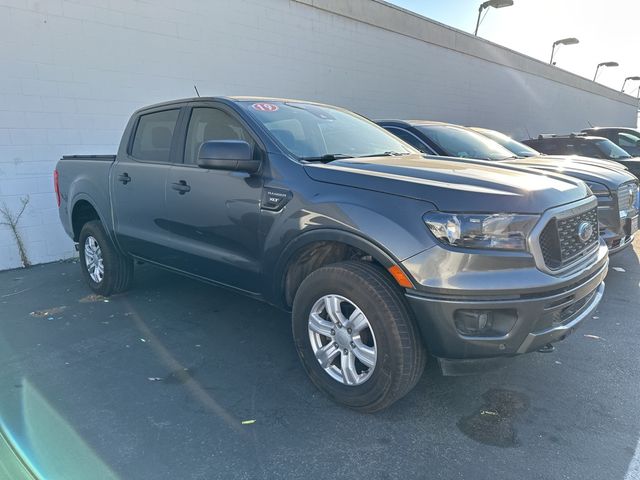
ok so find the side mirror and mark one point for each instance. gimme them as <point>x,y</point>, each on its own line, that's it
<point>233,155</point>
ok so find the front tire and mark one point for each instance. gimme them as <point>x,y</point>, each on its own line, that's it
<point>356,337</point>
<point>106,270</point>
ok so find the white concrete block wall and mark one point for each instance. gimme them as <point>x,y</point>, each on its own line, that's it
<point>73,71</point>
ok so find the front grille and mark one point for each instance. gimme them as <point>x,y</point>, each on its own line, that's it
<point>627,200</point>
<point>560,241</point>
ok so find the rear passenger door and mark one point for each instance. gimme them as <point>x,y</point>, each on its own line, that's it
<point>213,215</point>
<point>138,181</point>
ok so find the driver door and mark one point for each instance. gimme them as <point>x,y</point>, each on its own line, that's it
<point>213,215</point>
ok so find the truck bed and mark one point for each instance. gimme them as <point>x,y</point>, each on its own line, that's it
<point>84,177</point>
<point>102,158</point>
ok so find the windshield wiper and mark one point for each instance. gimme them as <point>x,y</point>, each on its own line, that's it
<point>329,157</point>
<point>385,154</point>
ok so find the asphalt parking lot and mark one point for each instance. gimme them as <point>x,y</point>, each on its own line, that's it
<point>156,384</point>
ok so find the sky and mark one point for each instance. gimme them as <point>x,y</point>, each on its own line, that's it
<point>608,30</point>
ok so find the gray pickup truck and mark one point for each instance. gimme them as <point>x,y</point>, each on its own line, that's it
<point>381,253</point>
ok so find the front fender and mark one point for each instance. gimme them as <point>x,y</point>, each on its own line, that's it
<point>387,227</point>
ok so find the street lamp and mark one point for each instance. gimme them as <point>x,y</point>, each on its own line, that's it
<point>563,41</point>
<point>636,78</point>
<point>494,4</point>
<point>604,64</point>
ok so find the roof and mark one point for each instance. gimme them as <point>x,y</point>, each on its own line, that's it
<point>567,136</point>
<point>622,129</point>
<point>412,123</point>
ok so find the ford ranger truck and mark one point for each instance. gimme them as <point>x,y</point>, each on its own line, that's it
<point>381,254</point>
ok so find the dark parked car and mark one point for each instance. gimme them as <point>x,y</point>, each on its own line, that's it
<point>625,137</point>
<point>615,188</point>
<point>525,151</point>
<point>586,146</point>
<point>378,251</point>
<point>617,192</point>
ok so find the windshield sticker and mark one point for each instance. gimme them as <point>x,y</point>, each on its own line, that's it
<point>265,107</point>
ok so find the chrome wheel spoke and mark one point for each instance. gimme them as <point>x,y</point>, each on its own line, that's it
<point>366,354</point>
<point>320,325</point>
<point>357,321</point>
<point>327,354</point>
<point>332,306</point>
<point>348,367</point>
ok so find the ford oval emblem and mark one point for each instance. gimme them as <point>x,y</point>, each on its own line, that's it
<point>585,230</point>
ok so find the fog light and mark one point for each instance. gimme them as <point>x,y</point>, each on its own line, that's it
<point>487,323</point>
<point>472,322</point>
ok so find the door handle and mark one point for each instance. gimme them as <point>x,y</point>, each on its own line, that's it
<point>124,178</point>
<point>181,187</point>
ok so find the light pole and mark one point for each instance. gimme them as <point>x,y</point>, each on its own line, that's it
<point>494,4</point>
<point>563,41</point>
<point>604,64</point>
<point>635,78</point>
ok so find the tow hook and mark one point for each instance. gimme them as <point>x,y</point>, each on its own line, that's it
<point>548,348</point>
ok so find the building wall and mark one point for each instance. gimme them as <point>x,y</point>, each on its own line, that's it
<point>72,72</point>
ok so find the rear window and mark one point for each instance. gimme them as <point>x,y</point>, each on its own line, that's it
<point>152,140</point>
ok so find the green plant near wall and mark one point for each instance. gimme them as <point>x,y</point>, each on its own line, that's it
<point>11,220</point>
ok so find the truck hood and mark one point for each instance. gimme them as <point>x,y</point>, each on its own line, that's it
<point>611,176</point>
<point>454,184</point>
<point>588,160</point>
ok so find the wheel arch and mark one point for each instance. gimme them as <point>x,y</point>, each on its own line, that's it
<point>84,210</point>
<point>314,249</point>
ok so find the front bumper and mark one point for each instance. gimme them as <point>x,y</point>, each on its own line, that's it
<point>617,243</point>
<point>538,318</point>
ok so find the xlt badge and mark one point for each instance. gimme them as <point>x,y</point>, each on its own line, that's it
<point>275,198</point>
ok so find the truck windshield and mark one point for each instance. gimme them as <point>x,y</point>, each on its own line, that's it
<point>611,150</point>
<point>460,142</point>
<point>322,133</point>
<point>509,143</point>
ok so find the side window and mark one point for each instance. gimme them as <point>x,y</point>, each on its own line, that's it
<point>555,146</point>
<point>627,140</point>
<point>212,124</point>
<point>410,139</point>
<point>152,141</point>
<point>589,150</point>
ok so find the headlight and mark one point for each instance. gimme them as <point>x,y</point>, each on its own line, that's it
<point>598,189</point>
<point>494,231</point>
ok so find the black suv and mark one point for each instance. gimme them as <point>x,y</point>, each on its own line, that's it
<point>586,146</point>
<point>625,137</point>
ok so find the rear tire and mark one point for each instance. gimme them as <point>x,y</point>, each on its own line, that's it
<point>106,270</point>
<point>369,361</point>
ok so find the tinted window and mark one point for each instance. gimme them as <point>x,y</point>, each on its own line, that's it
<point>153,136</point>
<point>509,143</point>
<point>610,150</point>
<point>312,131</point>
<point>628,139</point>
<point>587,149</point>
<point>460,142</point>
<point>211,124</point>
<point>554,147</point>
<point>410,139</point>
